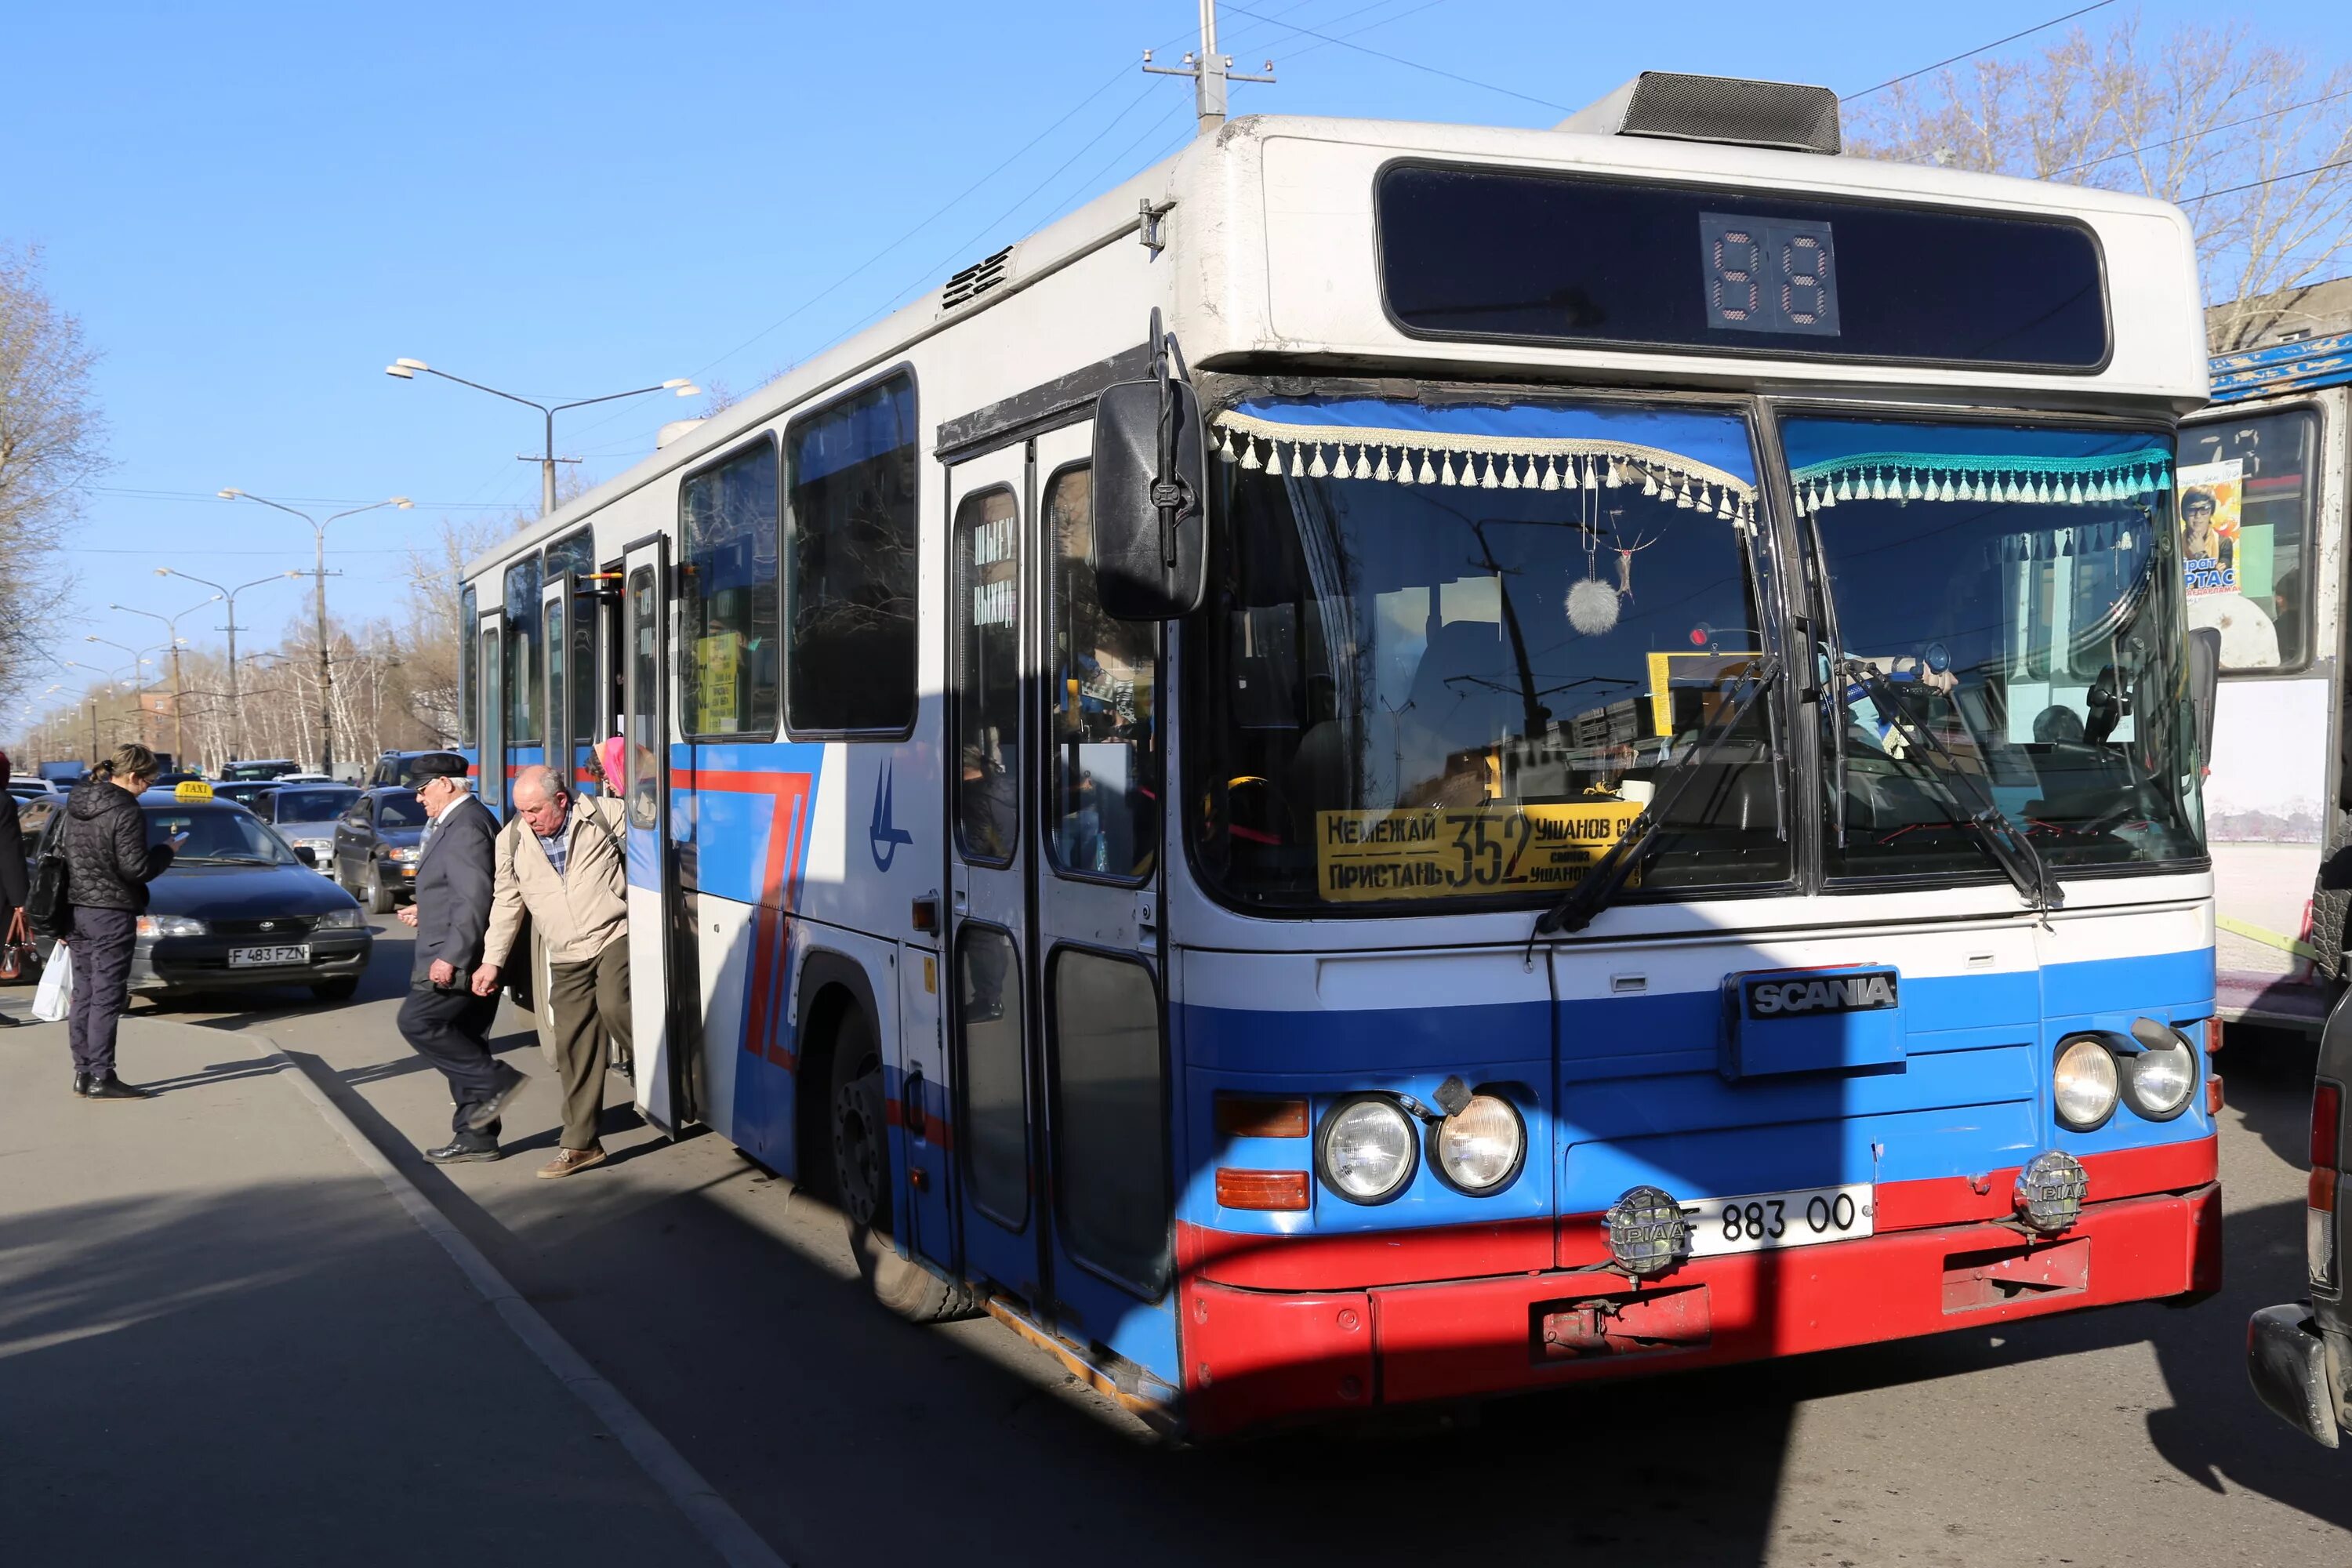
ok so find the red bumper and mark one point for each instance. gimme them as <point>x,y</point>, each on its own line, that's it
<point>1255,1356</point>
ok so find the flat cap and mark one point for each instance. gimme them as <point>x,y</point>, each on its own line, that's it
<point>435,765</point>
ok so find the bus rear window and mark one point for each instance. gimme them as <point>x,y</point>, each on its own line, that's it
<point>1482,253</point>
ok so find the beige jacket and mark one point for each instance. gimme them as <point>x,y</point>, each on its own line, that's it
<point>579,913</point>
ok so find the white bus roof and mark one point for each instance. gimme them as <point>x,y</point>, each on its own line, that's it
<point>1271,238</point>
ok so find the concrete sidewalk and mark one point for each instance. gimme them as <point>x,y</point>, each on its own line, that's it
<point>222,1339</point>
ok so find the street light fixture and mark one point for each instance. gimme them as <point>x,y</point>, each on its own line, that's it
<point>407,369</point>
<point>236,704</point>
<point>326,663</point>
<point>179,686</point>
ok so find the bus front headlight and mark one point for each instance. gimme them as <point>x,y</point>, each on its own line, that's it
<point>1365,1151</point>
<point>1479,1146</point>
<point>2083,1084</point>
<point>2158,1082</point>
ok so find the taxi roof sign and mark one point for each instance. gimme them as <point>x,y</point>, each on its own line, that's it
<point>195,791</point>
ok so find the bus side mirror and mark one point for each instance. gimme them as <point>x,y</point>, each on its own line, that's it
<point>2204,685</point>
<point>1150,535</point>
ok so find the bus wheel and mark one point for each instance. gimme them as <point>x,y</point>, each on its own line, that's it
<point>861,1179</point>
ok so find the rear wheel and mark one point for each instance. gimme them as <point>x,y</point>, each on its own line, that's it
<point>861,1178</point>
<point>379,897</point>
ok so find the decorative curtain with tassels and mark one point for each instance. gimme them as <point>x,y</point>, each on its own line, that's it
<point>1683,458</point>
<point>2139,478</point>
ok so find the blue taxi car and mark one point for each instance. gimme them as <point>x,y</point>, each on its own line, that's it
<point>239,907</point>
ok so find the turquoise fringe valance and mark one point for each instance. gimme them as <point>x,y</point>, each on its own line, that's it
<point>2133,478</point>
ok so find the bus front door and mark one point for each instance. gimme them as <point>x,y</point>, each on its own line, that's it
<point>645,725</point>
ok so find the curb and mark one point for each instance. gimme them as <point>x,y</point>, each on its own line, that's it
<point>735,1541</point>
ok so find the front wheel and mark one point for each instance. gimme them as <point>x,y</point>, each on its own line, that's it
<point>861,1176</point>
<point>379,897</point>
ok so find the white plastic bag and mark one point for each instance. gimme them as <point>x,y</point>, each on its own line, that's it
<point>54,999</point>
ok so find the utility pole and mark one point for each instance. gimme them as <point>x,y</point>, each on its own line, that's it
<point>179,686</point>
<point>1210,71</point>
<point>236,702</point>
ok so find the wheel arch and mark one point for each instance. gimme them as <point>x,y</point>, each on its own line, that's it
<point>831,983</point>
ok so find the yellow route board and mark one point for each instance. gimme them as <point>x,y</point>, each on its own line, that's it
<point>1446,852</point>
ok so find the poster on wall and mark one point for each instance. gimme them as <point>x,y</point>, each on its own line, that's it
<point>2210,498</point>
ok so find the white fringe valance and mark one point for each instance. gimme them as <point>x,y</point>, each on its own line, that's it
<point>1485,462</point>
<point>2132,477</point>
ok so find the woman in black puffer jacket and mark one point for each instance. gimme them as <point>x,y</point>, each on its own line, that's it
<point>108,867</point>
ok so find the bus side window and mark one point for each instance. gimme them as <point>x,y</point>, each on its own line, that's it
<point>523,667</point>
<point>1104,781</point>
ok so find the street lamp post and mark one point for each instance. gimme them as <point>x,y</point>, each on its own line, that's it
<point>235,705</point>
<point>407,369</point>
<point>138,686</point>
<point>106,678</point>
<point>179,686</point>
<point>326,662</point>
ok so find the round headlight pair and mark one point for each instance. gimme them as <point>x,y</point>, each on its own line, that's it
<point>2090,1076</point>
<point>1366,1151</point>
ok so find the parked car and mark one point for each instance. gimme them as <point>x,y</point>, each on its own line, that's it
<point>305,814</point>
<point>261,768</point>
<point>399,768</point>
<point>36,789</point>
<point>245,791</point>
<point>2299,1354</point>
<point>375,846</point>
<point>239,908</point>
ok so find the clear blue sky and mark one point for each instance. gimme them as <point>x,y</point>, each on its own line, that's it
<point>254,207</point>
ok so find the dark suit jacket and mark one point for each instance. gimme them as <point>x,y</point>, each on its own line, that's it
<point>454,881</point>
<point>11,861</point>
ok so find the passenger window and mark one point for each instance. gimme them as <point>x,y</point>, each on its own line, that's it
<point>644,700</point>
<point>469,669</point>
<point>1104,808</point>
<point>1110,1148</point>
<point>2248,493</point>
<point>996,1098</point>
<point>523,669</point>
<point>852,520</point>
<point>987,677</point>
<point>727,589</point>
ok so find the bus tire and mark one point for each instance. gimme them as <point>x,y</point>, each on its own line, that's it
<point>861,1181</point>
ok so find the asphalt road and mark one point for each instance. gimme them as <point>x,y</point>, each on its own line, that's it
<point>726,1308</point>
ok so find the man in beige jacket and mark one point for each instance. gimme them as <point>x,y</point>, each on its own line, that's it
<point>560,858</point>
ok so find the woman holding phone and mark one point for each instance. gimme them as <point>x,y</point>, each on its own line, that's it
<point>109,864</point>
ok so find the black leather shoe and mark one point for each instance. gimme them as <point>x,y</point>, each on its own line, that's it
<point>81,1083</point>
<point>456,1154</point>
<point>10,1021</point>
<point>487,1111</point>
<point>113,1088</point>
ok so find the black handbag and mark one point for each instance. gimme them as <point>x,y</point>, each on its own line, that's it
<point>45,906</point>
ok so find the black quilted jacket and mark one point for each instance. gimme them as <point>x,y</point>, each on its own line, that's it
<point>108,862</point>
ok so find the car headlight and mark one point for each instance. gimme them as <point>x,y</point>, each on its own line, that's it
<point>2083,1084</point>
<point>2158,1081</point>
<point>1479,1146</point>
<point>340,920</point>
<point>401,852</point>
<point>1365,1151</point>
<point>170,925</point>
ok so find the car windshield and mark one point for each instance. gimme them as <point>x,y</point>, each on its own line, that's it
<point>313,805</point>
<point>1450,649</point>
<point>2018,590</point>
<point>401,810</point>
<point>216,835</point>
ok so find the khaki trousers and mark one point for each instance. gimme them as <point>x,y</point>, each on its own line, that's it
<point>590,1002</point>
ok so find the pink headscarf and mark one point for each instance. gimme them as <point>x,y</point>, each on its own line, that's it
<point>610,754</point>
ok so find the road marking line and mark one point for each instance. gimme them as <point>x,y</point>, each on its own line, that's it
<point>737,1543</point>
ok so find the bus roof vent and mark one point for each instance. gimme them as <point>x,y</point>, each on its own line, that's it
<point>1716,109</point>
<point>976,280</point>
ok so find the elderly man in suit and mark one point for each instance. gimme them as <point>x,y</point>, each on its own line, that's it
<point>443,1020</point>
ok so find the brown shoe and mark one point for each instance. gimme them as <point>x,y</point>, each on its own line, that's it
<point>569,1162</point>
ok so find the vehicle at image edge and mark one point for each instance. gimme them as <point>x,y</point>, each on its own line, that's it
<point>2299,1354</point>
<point>65,773</point>
<point>1672,761</point>
<point>2273,449</point>
<point>375,844</point>
<point>395,767</point>
<point>239,908</point>
<point>305,815</point>
<point>36,789</point>
<point>261,769</point>
<point>245,791</point>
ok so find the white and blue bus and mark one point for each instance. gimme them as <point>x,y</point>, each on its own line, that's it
<point>1411,761</point>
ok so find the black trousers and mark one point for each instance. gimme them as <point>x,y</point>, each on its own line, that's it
<point>101,945</point>
<point>451,1030</point>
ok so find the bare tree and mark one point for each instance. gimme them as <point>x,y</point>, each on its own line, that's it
<point>2246,136</point>
<point>51,443</point>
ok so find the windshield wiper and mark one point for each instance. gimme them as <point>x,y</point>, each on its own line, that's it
<point>1579,905</point>
<point>2010,849</point>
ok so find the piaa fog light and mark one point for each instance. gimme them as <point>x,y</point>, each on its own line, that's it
<point>2049,1191</point>
<point>1478,1147</point>
<point>1647,1232</point>
<point>1366,1150</point>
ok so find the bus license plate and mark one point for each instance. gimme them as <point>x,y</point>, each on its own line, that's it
<point>1763,1220</point>
<point>252,957</point>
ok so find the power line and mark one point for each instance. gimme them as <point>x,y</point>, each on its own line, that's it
<point>2275,179</point>
<point>1416,64</point>
<point>2207,131</point>
<point>1981,49</point>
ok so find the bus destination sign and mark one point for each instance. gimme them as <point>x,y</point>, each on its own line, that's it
<point>1487,850</point>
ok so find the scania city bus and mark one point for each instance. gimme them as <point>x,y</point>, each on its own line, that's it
<point>1408,761</point>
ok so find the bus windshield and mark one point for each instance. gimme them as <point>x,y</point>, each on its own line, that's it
<point>2018,590</point>
<point>1450,649</point>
